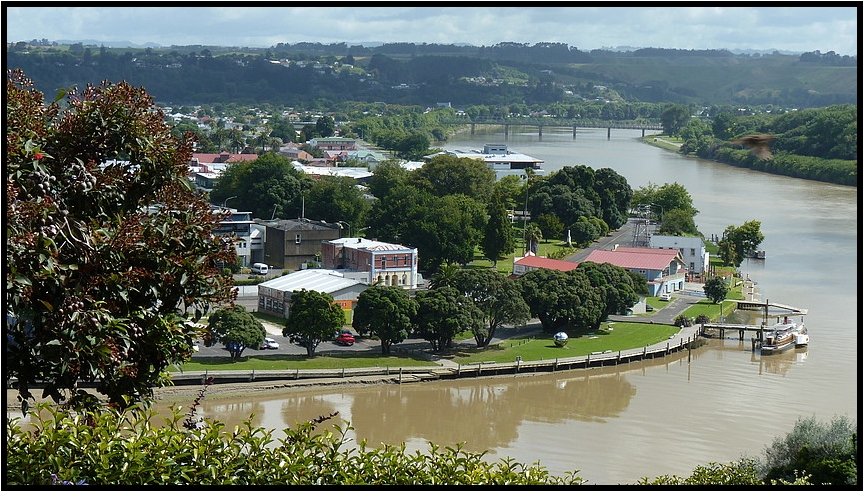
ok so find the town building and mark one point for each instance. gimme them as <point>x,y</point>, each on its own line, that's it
<point>532,262</point>
<point>294,243</point>
<point>664,269</point>
<point>274,296</point>
<point>692,249</point>
<point>373,262</point>
<point>501,160</point>
<point>249,242</point>
<point>334,143</point>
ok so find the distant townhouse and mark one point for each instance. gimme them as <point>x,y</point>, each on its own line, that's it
<point>334,143</point>
<point>249,244</point>
<point>292,243</point>
<point>373,262</point>
<point>664,269</point>
<point>692,249</point>
<point>533,262</point>
<point>274,296</point>
<point>295,153</point>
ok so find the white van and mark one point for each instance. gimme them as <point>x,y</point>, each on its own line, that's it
<point>260,268</point>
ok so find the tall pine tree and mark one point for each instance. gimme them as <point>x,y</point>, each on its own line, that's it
<point>498,239</point>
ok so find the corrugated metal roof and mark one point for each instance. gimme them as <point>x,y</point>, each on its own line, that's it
<point>540,262</point>
<point>369,244</point>
<point>317,279</point>
<point>644,258</point>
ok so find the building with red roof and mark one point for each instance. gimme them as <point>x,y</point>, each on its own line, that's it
<point>664,269</point>
<point>533,262</point>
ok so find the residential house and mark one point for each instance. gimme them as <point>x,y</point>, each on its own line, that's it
<point>664,269</point>
<point>249,244</point>
<point>295,153</point>
<point>274,296</point>
<point>373,262</point>
<point>692,250</point>
<point>533,262</point>
<point>292,243</point>
<point>334,143</point>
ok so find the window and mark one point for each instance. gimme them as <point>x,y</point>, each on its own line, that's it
<point>297,239</point>
<point>692,251</point>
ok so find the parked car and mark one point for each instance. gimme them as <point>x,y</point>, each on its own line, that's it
<point>665,297</point>
<point>345,339</point>
<point>269,343</point>
<point>649,308</point>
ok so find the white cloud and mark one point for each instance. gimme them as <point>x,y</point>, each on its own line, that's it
<point>703,27</point>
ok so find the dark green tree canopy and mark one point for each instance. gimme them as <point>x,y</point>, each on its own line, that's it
<point>616,286</point>
<point>449,175</point>
<point>716,288</point>
<point>335,198</point>
<point>560,299</point>
<point>267,184</point>
<point>313,317</point>
<point>442,313</point>
<point>498,237</point>
<point>497,297</point>
<point>737,243</point>
<point>105,240</point>
<point>385,311</point>
<point>237,328</point>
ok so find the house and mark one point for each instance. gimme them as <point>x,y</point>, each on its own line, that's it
<point>692,250</point>
<point>274,296</point>
<point>334,143</point>
<point>373,262</point>
<point>295,153</point>
<point>664,269</point>
<point>201,159</point>
<point>249,237</point>
<point>501,160</point>
<point>533,262</point>
<point>293,243</point>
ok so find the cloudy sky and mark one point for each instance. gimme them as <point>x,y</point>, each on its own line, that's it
<point>795,29</point>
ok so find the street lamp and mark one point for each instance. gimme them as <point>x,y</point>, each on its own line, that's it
<point>225,202</point>
<point>340,222</point>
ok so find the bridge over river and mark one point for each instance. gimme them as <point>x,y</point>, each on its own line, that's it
<point>539,123</point>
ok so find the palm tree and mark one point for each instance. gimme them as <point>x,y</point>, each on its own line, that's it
<point>445,275</point>
<point>533,236</point>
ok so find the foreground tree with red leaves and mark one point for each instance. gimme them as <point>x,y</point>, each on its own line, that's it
<point>108,246</point>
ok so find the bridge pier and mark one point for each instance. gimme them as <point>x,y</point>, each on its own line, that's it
<point>472,128</point>
<point>506,130</point>
<point>608,133</point>
<point>540,130</point>
<point>574,131</point>
<point>643,133</point>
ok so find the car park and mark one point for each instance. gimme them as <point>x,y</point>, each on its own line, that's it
<point>269,343</point>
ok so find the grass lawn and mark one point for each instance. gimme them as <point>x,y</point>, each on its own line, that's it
<point>323,361</point>
<point>613,336</point>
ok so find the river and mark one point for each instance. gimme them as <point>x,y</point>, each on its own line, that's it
<point>650,418</point>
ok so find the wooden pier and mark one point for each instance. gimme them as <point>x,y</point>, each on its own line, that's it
<point>763,306</point>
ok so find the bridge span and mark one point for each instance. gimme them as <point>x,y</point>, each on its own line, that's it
<point>539,123</point>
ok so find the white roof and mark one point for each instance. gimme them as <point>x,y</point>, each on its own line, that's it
<point>368,244</point>
<point>317,279</point>
<point>350,172</point>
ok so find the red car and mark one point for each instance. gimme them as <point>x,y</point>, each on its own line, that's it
<point>345,339</point>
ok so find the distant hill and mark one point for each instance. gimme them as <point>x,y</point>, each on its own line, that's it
<point>411,74</point>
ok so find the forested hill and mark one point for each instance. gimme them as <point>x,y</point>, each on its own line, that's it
<point>424,74</point>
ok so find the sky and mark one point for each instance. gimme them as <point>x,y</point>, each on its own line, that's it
<point>787,29</point>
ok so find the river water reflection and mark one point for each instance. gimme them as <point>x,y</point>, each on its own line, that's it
<point>653,417</point>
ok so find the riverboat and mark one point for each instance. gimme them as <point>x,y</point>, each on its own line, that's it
<point>783,336</point>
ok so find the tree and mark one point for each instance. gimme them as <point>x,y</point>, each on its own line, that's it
<point>825,450</point>
<point>533,236</point>
<point>385,311</point>
<point>550,226</point>
<point>716,289</point>
<point>313,317</point>
<point>105,244</point>
<point>335,198</point>
<point>738,242</point>
<point>268,186</point>
<point>498,238</point>
<point>442,313</point>
<point>559,299</point>
<point>325,126</point>
<point>449,175</point>
<point>448,230</point>
<point>616,286</point>
<point>237,329</point>
<point>677,222</point>
<point>674,118</point>
<point>497,297</point>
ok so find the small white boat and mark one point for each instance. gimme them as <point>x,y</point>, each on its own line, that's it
<point>784,335</point>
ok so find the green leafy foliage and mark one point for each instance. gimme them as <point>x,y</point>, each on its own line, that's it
<point>113,449</point>
<point>105,240</point>
<point>237,328</point>
<point>716,288</point>
<point>442,313</point>
<point>386,312</point>
<point>313,317</point>
<point>498,299</point>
